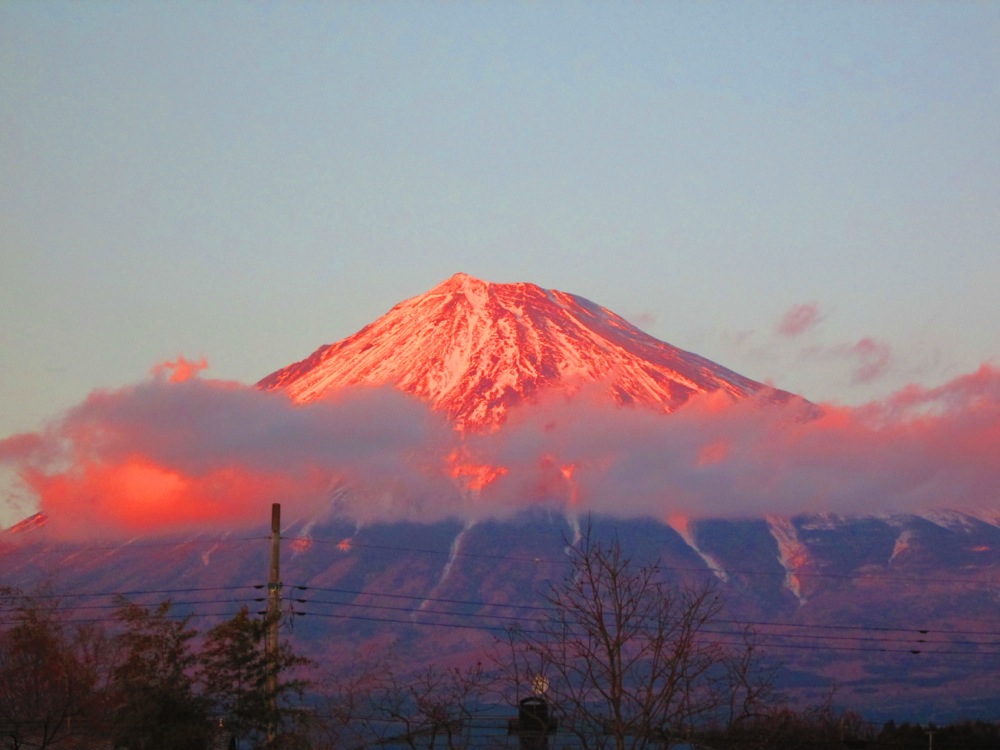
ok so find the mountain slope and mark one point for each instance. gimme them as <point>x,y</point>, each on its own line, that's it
<point>907,634</point>
<point>474,349</point>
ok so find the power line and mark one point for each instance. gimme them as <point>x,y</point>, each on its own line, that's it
<point>536,621</point>
<point>73,547</point>
<point>496,629</point>
<point>113,619</point>
<point>137,592</point>
<point>476,620</point>
<point>543,608</point>
<point>767,639</point>
<point>921,636</point>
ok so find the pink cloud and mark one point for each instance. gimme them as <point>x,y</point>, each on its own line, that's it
<point>203,454</point>
<point>20,447</point>
<point>868,358</point>
<point>180,370</point>
<point>873,359</point>
<point>175,455</point>
<point>799,319</point>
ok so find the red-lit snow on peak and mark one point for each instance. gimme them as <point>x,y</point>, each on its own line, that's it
<point>30,523</point>
<point>474,349</point>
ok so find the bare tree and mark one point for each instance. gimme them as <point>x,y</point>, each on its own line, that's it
<point>819,727</point>
<point>424,710</point>
<point>342,709</point>
<point>626,660</point>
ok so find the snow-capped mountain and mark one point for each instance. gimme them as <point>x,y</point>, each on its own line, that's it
<point>475,349</point>
<point>895,610</point>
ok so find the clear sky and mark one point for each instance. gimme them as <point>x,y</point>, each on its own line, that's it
<point>805,192</point>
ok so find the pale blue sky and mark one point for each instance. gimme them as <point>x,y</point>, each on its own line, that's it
<point>248,181</point>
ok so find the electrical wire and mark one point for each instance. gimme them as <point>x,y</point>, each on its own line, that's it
<point>126,594</point>
<point>497,629</point>
<point>752,623</point>
<point>73,547</point>
<point>763,631</point>
<point>765,639</point>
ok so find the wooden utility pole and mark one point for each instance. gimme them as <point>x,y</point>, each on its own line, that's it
<point>273,620</point>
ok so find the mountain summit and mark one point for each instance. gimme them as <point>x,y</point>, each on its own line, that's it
<point>474,349</point>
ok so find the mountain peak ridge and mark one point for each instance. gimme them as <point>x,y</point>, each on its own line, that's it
<point>474,349</point>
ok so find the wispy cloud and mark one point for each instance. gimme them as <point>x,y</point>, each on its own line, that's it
<point>873,359</point>
<point>866,360</point>
<point>793,344</point>
<point>799,319</point>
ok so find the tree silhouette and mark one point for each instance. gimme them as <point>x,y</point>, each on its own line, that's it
<point>48,676</point>
<point>156,706</point>
<point>627,660</point>
<point>234,669</point>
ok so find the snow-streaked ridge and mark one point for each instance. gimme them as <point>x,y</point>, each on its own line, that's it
<point>474,349</point>
<point>792,553</point>
<point>456,546</point>
<point>903,542</point>
<point>682,525</point>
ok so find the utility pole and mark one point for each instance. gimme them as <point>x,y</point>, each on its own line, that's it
<point>273,620</point>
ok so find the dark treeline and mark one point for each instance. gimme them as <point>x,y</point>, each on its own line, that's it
<point>822,728</point>
<point>148,680</point>
<point>621,661</point>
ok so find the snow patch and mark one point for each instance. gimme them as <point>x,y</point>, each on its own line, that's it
<point>949,519</point>
<point>792,553</point>
<point>903,543</point>
<point>206,555</point>
<point>456,545</point>
<point>683,527</point>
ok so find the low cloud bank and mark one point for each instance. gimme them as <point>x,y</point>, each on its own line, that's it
<point>173,454</point>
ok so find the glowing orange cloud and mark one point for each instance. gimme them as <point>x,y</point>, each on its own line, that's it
<point>139,496</point>
<point>473,475</point>
<point>567,471</point>
<point>180,370</point>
